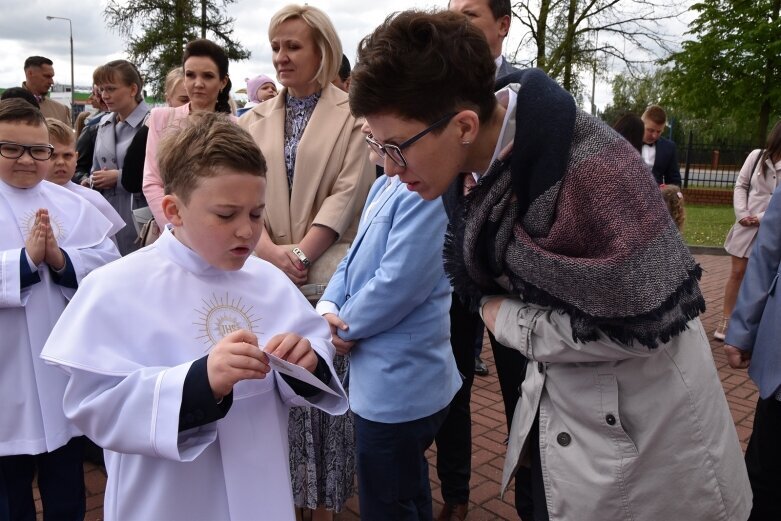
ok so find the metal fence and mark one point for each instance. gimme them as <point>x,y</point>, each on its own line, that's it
<point>712,165</point>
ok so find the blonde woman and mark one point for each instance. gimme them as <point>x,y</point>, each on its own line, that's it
<point>318,178</point>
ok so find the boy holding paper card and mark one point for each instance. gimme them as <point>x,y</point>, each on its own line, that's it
<point>180,392</point>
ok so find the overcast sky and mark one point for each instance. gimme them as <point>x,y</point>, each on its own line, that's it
<point>24,31</point>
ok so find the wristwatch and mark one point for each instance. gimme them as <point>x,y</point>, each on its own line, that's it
<point>302,257</point>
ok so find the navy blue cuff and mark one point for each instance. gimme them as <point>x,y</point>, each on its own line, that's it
<point>198,404</point>
<point>27,277</point>
<point>67,278</point>
<point>322,373</point>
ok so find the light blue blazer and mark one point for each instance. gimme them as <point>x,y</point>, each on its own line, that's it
<point>391,290</point>
<point>755,324</point>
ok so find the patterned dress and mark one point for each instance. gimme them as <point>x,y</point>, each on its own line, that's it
<point>322,447</point>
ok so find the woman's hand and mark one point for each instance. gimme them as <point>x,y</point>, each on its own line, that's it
<point>103,179</point>
<point>751,220</point>
<point>283,258</point>
<point>490,311</point>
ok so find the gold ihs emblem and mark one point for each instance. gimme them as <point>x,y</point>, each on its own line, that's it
<point>220,316</point>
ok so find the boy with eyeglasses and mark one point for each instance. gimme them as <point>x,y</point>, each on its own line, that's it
<point>50,239</point>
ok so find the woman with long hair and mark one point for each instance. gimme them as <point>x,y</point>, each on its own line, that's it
<point>756,182</point>
<point>207,85</point>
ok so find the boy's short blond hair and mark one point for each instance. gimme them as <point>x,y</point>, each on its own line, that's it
<point>60,132</point>
<point>206,142</point>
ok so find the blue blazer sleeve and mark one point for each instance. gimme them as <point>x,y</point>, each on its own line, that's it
<point>407,273</point>
<point>759,281</point>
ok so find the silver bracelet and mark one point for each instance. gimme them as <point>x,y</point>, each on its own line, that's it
<point>302,257</point>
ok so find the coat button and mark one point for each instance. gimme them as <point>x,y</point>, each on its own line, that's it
<point>564,439</point>
<point>610,419</point>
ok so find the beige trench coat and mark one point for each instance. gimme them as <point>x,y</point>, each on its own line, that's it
<point>626,433</point>
<point>751,197</point>
<point>331,179</point>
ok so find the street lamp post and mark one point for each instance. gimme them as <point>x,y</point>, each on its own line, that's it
<point>73,86</point>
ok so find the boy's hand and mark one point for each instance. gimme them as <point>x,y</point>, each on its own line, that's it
<point>736,358</point>
<point>294,349</point>
<point>337,324</point>
<point>235,358</point>
<point>35,245</point>
<point>53,256</point>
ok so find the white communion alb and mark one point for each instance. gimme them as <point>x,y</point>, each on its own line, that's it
<point>128,340</point>
<point>31,408</point>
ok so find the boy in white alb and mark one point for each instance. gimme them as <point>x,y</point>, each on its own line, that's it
<point>63,168</point>
<point>50,239</point>
<point>167,348</point>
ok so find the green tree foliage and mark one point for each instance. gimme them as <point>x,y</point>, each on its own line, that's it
<point>729,73</point>
<point>633,93</point>
<point>157,31</point>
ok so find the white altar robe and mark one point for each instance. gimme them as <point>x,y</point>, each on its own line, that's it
<point>31,415</point>
<point>99,202</point>
<point>128,339</point>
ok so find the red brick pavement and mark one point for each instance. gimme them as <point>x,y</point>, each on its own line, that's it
<point>489,430</point>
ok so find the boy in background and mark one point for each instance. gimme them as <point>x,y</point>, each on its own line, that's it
<point>50,240</point>
<point>63,168</point>
<point>179,390</point>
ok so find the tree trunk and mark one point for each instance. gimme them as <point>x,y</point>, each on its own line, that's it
<point>542,34</point>
<point>203,18</point>
<point>569,49</point>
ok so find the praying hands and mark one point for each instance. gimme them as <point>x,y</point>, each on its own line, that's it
<point>41,245</point>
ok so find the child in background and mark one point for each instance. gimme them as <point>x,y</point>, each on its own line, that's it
<point>673,198</point>
<point>50,240</point>
<point>179,390</point>
<point>63,168</point>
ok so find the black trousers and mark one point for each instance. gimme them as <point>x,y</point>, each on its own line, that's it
<point>393,480</point>
<point>763,461</point>
<point>60,481</point>
<point>511,370</point>
<point>454,439</point>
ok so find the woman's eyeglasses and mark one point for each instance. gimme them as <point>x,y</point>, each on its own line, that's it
<point>394,151</point>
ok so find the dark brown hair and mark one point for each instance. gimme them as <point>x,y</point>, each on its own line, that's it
<point>631,128</point>
<point>209,49</point>
<point>422,65</point>
<point>206,142</point>
<point>17,110</point>
<point>773,147</point>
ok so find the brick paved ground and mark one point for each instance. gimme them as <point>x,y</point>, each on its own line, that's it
<point>488,424</point>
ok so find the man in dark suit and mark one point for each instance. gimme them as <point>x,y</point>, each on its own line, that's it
<point>659,153</point>
<point>454,440</point>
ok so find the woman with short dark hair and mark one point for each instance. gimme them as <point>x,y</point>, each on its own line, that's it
<point>622,414</point>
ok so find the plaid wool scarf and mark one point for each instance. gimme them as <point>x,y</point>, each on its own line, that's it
<point>573,220</point>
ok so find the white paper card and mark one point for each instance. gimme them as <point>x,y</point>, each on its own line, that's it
<point>297,372</point>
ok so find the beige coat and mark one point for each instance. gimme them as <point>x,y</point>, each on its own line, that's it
<point>332,175</point>
<point>53,109</point>
<point>626,433</point>
<point>753,189</point>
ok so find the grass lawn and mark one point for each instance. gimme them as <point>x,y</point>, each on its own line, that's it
<point>707,225</point>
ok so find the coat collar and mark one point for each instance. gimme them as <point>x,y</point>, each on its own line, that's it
<point>314,149</point>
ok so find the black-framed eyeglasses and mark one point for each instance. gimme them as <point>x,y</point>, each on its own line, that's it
<point>394,151</point>
<point>11,150</point>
